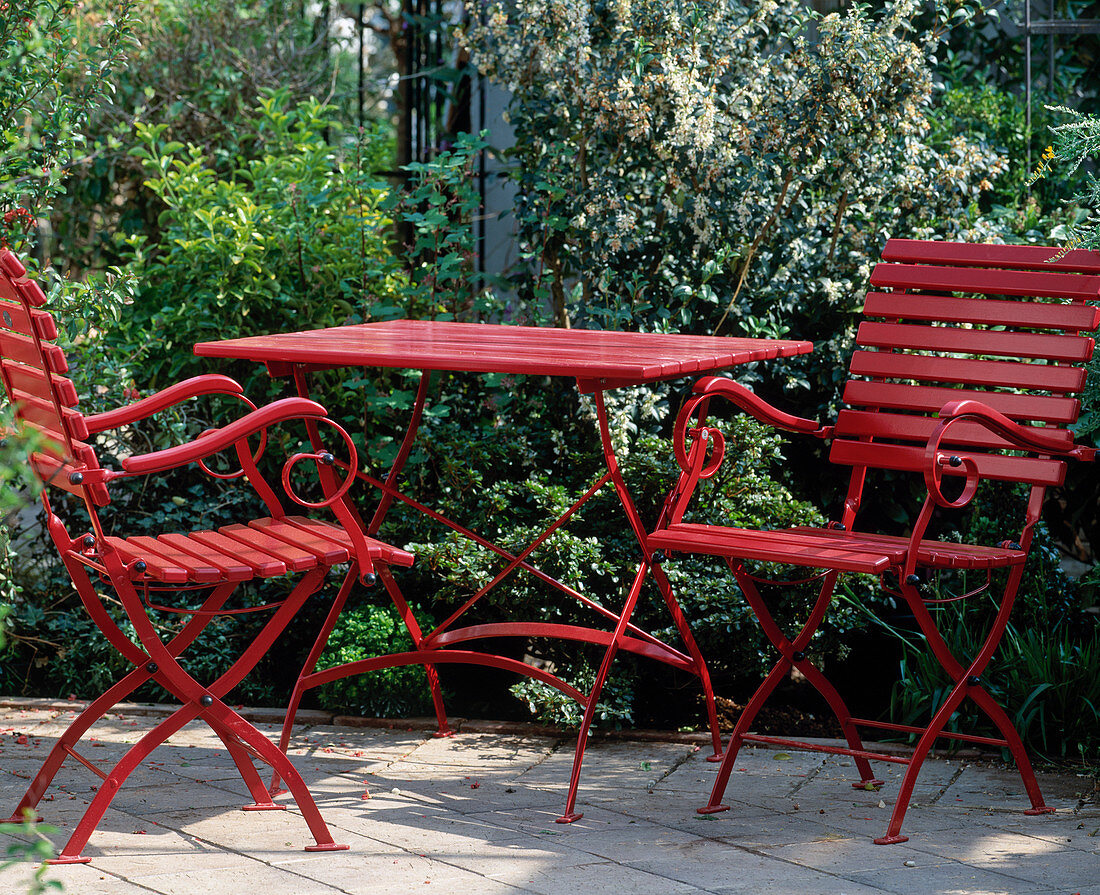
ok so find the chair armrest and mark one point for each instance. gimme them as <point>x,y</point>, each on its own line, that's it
<point>1025,437</point>
<point>208,384</point>
<point>219,439</point>
<point>749,402</point>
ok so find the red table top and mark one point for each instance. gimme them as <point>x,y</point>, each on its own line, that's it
<point>610,358</point>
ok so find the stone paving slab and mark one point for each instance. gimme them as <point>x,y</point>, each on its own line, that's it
<point>475,813</point>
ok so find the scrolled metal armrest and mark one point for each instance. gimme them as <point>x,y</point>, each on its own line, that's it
<point>719,387</point>
<point>207,384</point>
<point>325,459</point>
<point>215,440</point>
<point>1024,437</point>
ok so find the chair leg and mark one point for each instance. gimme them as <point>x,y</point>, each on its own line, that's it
<point>310,664</point>
<point>570,815</point>
<point>118,691</point>
<point>793,653</point>
<point>684,628</point>
<point>134,756</point>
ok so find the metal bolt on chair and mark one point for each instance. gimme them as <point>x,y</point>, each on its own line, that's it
<point>211,562</point>
<point>969,361</point>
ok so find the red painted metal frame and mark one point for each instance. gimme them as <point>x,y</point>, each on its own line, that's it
<point>31,369</point>
<point>598,361</point>
<point>960,437</point>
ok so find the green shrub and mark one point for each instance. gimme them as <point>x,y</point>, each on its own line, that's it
<point>361,633</point>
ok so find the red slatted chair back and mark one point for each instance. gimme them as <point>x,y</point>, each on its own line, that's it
<point>950,321</point>
<point>33,371</point>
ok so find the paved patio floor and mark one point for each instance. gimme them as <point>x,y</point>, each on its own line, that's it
<point>475,814</point>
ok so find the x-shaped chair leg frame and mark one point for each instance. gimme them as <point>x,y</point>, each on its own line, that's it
<point>159,661</point>
<point>968,685</point>
<point>792,655</point>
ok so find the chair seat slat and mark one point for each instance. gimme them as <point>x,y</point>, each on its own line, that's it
<point>971,371</point>
<point>388,554</point>
<point>946,308</point>
<point>930,398</point>
<point>847,551</point>
<point>157,567</point>
<point>1072,349</point>
<point>296,559</point>
<point>198,571</point>
<point>328,551</point>
<point>908,458</point>
<point>261,562</point>
<point>986,281</point>
<point>230,566</point>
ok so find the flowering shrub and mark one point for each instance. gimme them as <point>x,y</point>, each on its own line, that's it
<point>715,166</point>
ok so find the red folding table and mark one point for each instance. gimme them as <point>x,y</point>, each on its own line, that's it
<point>598,361</point>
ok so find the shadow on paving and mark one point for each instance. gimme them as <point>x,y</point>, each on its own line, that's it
<point>476,813</point>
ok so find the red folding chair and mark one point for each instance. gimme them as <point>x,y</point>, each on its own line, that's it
<point>970,357</point>
<point>140,568</point>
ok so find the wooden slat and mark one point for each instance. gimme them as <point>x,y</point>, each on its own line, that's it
<point>929,553</point>
<point>14,318</point>
<point>986,281</point>
<point>24,351</point>
<point>911,459</point>
<point>772,546</point>
<point>263,564</point>
<point>157,567</point>
<point>379,550</point>
<point>1015,257</point>
<point>1073,349</point>
<point>903,427</point>
<point>35,382</point>
<point>198,571</point>
<point>324,549</point>
<point>230,566</point>
<point>42,413</point>
<point>994,311</point>
<point>251,538</point>
<point>971,371</point>
<point>929,399</point>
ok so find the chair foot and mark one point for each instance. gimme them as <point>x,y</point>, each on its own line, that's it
<point>260,806</point>
<point>569,818</point>
<point>712,809</point>
<point>871,785</point>
<point>22,818</point>
<point>717,756</point>
<point>1042,809</point>
<point>68,859</point>
<point>891,840</point>
<point>277,791</point>
<point>443,733</point>
<point>326,846</point>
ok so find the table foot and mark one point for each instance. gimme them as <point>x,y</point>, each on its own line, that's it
<point>257,806</point>
<point>326,846</point>
<point>712,809</point>
<point>1042,809</point>
<point>891,840</point>
<point>447,732</point>
<point>69,859</point>
<point>869,785</point>
<point>569,818</point>
<point>717,756</point>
